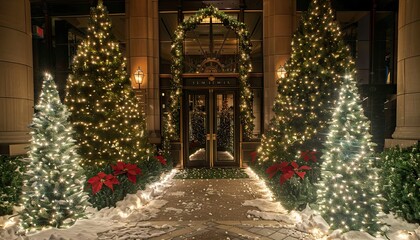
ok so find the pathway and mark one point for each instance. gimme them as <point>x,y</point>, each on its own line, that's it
<point>209,209</point>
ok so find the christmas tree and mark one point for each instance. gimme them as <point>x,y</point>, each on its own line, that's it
<point>198,119</point>
<point>305,97</point>
<point>105,111</point>
<point>225,129</point>
<point>348,195</point>
<point>53,184</point>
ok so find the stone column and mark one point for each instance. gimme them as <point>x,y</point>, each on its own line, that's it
<point>278,28</point>
<point>407,131</point>
<point>143,51</point>
<point>16,76</point>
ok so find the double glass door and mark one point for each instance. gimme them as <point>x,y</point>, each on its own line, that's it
<point>211,128</point>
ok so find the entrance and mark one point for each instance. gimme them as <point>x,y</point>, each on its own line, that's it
<point>211,128</point>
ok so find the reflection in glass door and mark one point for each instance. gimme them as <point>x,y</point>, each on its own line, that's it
<point>225,128</point>
<point>197,130</point>
<point>211,128</point>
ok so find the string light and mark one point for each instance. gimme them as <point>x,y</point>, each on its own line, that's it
<point>348,166</point>
<point>312,75</point>
<point>105,112</point>
<point>52,194</point>
<point>245,67</point>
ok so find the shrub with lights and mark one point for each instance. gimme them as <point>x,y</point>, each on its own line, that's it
<point>172,121</point>
<point>348,194</point>
<point>52,193</point>
<point>305,98</point>
<point>105,111</point>
<point>109,184</point>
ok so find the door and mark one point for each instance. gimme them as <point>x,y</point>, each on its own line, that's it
<point>211,128</point>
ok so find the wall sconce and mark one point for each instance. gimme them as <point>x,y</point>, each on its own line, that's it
<point>139,76</point>
<point>281,72</point>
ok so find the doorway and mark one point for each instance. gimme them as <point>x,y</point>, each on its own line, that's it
<point>211,128</point>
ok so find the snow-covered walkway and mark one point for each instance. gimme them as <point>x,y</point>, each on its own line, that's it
<point>213,209</point>
<point>203,209</point>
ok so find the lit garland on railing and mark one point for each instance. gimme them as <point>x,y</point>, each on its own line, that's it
<point>244,68</point>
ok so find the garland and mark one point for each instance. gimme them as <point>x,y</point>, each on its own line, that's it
<point>246,116</point>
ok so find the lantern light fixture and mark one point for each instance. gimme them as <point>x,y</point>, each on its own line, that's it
<point>281,72</point>
<point>139,76</point>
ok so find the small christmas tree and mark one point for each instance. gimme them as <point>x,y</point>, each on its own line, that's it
<point>349,196</point>
<point>105,112</point>
<point>53,184</point>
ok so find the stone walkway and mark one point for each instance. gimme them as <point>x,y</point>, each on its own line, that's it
<point>207,209</point>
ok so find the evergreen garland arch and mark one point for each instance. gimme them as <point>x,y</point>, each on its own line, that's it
<point>246,116</point>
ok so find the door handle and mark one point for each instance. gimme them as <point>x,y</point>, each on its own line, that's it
<point>211,136</point>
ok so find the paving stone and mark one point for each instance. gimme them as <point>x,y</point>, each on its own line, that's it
<point>291,238</point>
<point>216,197</point>
<point>278,236</point>
<point>266,232</point>
<point>254,230</point>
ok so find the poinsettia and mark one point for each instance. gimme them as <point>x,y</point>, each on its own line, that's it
<point>161,159</point>
<point>308,155</point>
<point>127,168</point>
<point>102,178</point>
<point>287,169</point>
<point>272,170</point>
<point>292,169</point>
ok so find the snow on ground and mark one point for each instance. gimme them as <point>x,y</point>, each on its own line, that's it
<point>128,215</point>
<point>108,220</point>
<point>309,221</point>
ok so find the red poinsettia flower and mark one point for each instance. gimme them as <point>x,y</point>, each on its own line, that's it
<point>272,170</point>
<point>292,169</point>
<point>253,156</point>
<point>127,168</point>
<point>102,178</point>
<point>161,159</point>
<point>308,155</point>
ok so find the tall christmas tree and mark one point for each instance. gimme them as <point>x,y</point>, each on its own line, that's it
<point>53,184</point>
<point>305,97</point>
<point>105,111</point>
<point>348,196</point>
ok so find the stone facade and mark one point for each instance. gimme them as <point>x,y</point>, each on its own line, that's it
<point>16,76</point>
<point>407,131</point>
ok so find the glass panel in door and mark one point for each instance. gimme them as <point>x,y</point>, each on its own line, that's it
<point>197,129</point>
<point>225,128</point>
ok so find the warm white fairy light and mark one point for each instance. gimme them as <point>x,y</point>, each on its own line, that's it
<point>348,193</point>
<point>263,186</point>
<point>312,75</point>
<point>52,193</point>
<point>171,128</point>
<point>158,186</point>
<point>104,108</point>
